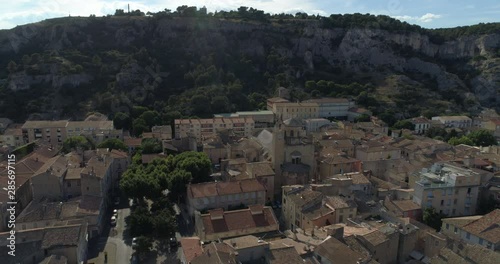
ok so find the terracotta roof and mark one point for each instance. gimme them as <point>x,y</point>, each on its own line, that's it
<point>61,236</point>
<point>245,242</point>
<point>216,253</point>
<point>132,142</point>
<point>337,252</point>
<point>45,124</point>
<point>304,197</point>
<point>487,227</point>
<point>327,100</point>
<point>461,221</point>
<point>406,205</point>
<point>301,248</point>
<point>224,188</point>
<point>239,220</point>
<point>287,255</point>
<point>359,178</point>
<point>338,202</point>
<point>148,158</point>
<point>375,238</point>
<point>191,247</point>
<point>277,100</point>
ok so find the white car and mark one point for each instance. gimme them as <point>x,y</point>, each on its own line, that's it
<point>115,213</point>
<point>134,241</point>
<point>113,221</point>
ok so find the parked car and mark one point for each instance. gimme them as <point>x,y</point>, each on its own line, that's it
<point>113,221</point>
<point>134,241</point>
<point>173,242</point>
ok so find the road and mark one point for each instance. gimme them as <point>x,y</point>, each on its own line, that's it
<point>115,245</point>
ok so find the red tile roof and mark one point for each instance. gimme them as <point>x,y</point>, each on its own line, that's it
<point>224,188</point>
<point>487,227</point>
<point>191,247</point>
<point>239,220</point>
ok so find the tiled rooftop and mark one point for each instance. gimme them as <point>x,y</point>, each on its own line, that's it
<point>239,220</point>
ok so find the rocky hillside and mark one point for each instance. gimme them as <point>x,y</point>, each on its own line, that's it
<point>184,66</point>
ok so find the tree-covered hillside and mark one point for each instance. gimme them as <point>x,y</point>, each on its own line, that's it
<point>146,69</point>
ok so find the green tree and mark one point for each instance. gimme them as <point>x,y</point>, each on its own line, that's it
<point>121,120</point>
<point>177,182</point>
<point>482,138</point>
<point>138,183</point>
<point>164,223</point>
<point>151,118</point>
<point>404,124</point>
<point>140,221</point>
<point>139,126</point>
<point>151,145</point>
<point>362,118</point>
<point>197,163</point>
<point>432,218</point>
<point>143,244</point>
<point>462,140</point>
<point>220,104</point>
<point>113,143</point>
<point>76,142</point>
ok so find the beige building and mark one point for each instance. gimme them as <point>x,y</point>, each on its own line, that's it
<point>332,162</point>
<point>449,188</point>
<point>287,110</point>
<point>220,224</point>
<point>308,208</point>
<point>482,230</point>
<point>55,132</point>
<point>68,240</point>
<point>227,195</point>
<point>12,137</point>
<point>333,107</point>
<point>263,118</point>
<point>200,128</point>
<point>454,121</point>
<point>292,153</point>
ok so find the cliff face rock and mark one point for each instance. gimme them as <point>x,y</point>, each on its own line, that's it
<point>355,49</point>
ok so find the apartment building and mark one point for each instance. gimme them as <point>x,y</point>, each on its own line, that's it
<point>421,124</point>
<point>333,107</point>
<point>262,118</point>
<point>454,121</point>
<point>449,188</point>
<point>203,196</point>
<point>200,128</point>
<point>482,230</point>
<point>284,109</point>
<point>55,132</point>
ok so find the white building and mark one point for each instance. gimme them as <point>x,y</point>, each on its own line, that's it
<point>454,121</point>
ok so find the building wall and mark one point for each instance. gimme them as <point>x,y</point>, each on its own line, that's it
<point>46,185</point>
<point>451,201</point>
<point>72,188</point>
<point>226,201</point>
<point>458,233</point>
<point>215,154</point>
<point>252,254</point>
<point>342,214</point>
<point>327,169</point>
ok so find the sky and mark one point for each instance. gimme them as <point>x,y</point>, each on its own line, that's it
<point>426,13</point>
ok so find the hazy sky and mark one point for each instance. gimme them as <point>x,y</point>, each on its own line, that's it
<point>426,13</point>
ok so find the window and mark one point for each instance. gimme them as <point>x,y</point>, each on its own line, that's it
<point>442,202</point>
<point>455,230</point>
<point>69,184</point>
<point>467,236</point>
<point>455,201</point>
<point>447,226</point>
<point>341,219</point>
